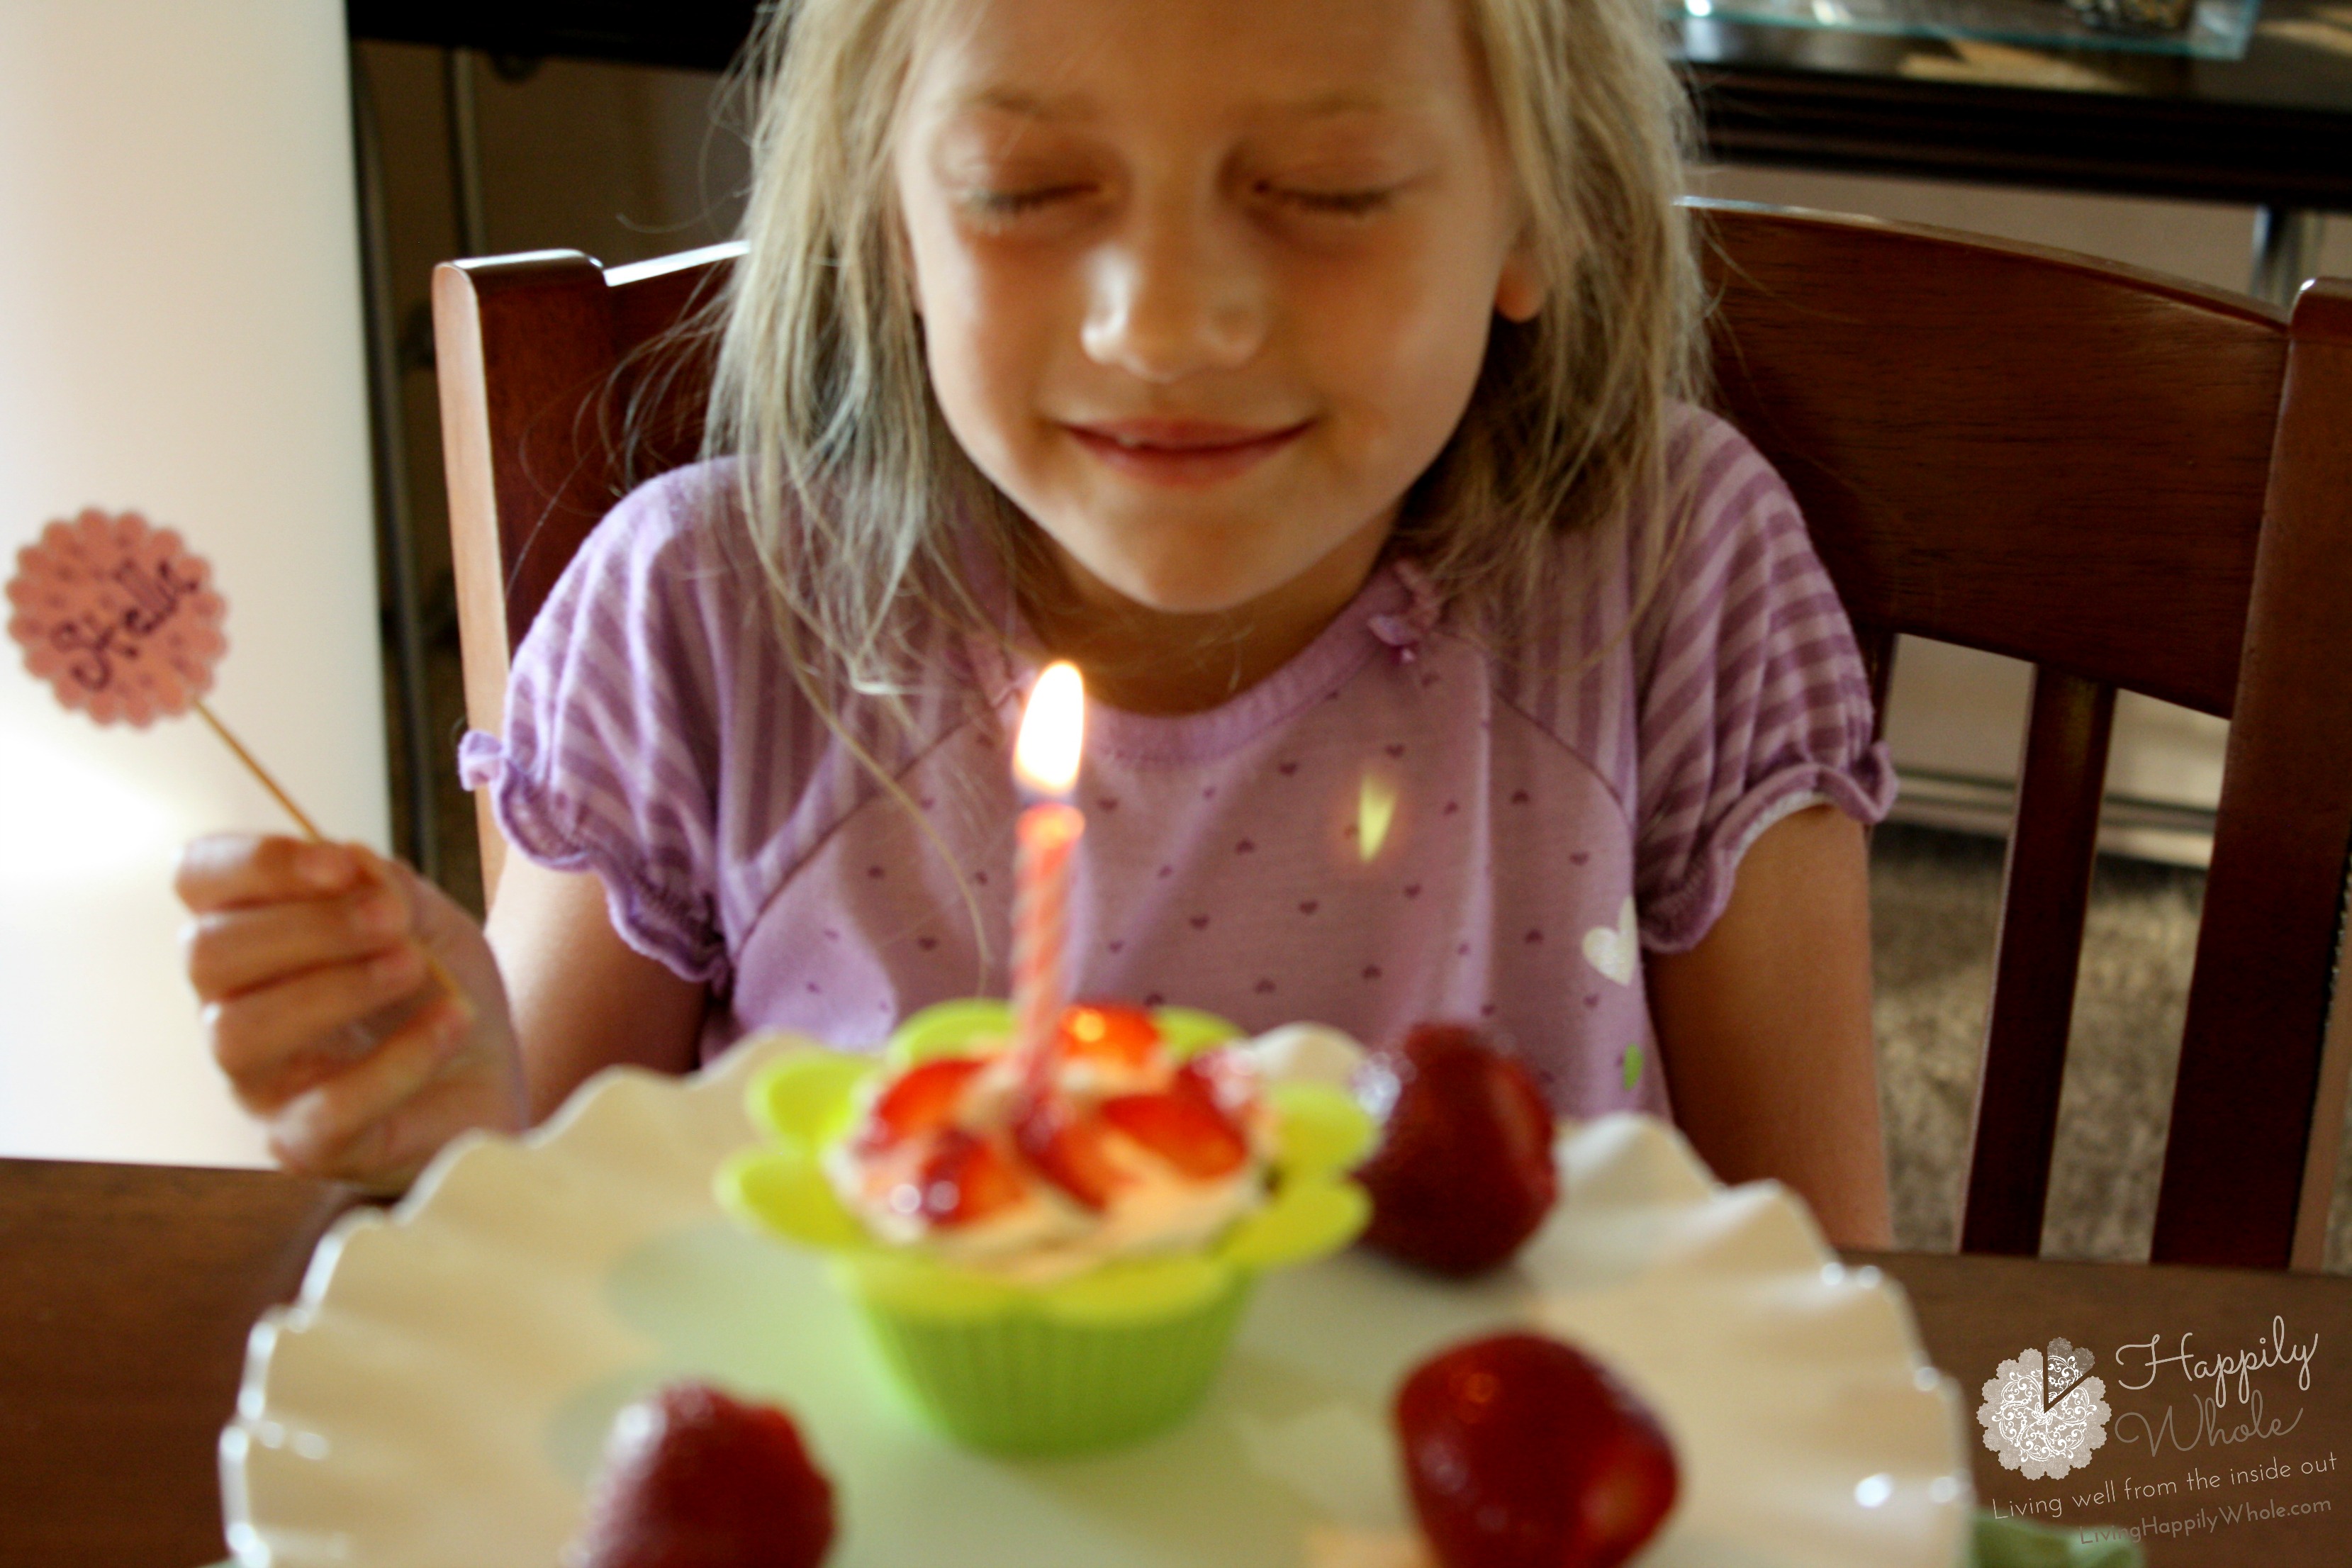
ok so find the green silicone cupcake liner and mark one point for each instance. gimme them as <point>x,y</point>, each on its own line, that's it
<point>1106,1357</point>
<point>1024,1384</point>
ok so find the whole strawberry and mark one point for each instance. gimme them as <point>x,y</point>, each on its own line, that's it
<point>1523,1452</point>
<point>694,1478</point>
<point>1464,1173</point>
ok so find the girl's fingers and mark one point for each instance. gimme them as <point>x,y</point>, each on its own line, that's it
<point>236,949</point>
<point>226,869</point>
<point>398,1144</point>
<point>258,1034</point>
<point>328,1017</point>
<point>346,1126</point>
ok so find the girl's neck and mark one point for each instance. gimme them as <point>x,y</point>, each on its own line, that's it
<point>1143,661</point>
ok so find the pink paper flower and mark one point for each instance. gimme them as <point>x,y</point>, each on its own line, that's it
<point>120,617</point>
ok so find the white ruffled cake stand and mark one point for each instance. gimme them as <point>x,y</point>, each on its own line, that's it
<point>437,1395</point>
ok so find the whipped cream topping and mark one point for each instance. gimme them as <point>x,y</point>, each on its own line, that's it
<point>1306,1053</point>
<point>1036,1232</point>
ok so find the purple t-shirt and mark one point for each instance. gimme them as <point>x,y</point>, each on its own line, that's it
<point>1403,823</point>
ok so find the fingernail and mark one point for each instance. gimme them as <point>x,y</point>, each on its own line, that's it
<point>400,965</point>
<point>382,916</point>
<point>322,865</point>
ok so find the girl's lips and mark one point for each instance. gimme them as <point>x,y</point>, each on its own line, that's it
<point>1180,452</point>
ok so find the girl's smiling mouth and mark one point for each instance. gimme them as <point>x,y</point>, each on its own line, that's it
<point>1181,452</point>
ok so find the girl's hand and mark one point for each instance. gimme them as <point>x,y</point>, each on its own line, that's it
<point>322,1007</point>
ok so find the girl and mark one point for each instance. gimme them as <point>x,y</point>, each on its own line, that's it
<point>1311,372</point>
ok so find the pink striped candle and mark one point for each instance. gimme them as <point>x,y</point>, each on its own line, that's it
<point>1040,909</point>
<point>1045,760</point>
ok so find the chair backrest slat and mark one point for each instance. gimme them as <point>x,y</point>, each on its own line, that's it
<point>2046,892</point>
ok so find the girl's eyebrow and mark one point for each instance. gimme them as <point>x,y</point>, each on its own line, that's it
<point>1079,106</point>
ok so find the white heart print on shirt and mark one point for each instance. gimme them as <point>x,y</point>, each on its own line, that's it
<point>1615,953</point>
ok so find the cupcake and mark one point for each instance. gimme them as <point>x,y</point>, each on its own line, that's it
<point>1050,1251</point>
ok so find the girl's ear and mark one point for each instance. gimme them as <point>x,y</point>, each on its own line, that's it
<point>1519,292</point>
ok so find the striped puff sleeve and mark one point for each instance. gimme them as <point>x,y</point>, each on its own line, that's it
<point>1752,702</point>
<point>609,760</point>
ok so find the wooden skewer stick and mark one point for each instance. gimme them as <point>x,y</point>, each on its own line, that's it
<point>253,765</point>
<point>446,981</point>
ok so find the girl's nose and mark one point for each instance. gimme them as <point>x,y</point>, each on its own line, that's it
<point>1170,296</point>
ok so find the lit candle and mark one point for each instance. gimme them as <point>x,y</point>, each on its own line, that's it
<point>1045,762</point>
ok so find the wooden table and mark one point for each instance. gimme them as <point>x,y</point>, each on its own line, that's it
<point>126,1292</point>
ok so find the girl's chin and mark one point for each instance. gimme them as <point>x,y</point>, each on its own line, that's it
<point>1203,578</point>
<point>1196,560</point>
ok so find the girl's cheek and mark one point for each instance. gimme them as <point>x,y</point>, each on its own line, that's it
<point>1363,313</point>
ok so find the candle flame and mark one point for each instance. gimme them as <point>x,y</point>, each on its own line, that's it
<point>1053,731</point>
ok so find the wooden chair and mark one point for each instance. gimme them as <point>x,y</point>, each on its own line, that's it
<point>2128,480</point>
<point>561,382</point>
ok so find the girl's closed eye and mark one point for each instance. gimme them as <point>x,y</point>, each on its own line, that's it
<point>1000,204</point>
<point>1008,203</point>
<point>1333,203</point>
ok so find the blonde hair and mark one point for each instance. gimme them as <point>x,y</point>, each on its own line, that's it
<point>851,484</point>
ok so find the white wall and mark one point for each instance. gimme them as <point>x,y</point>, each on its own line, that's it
<point>180,334</point>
